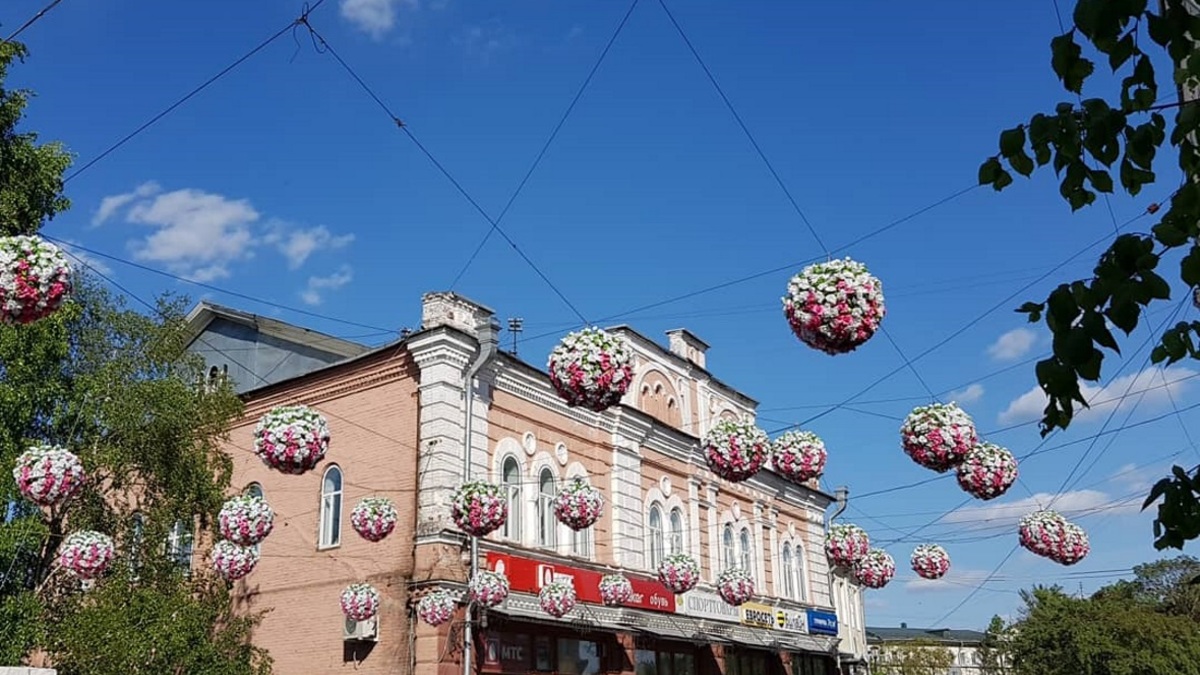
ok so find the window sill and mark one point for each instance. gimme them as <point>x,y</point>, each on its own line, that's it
<point>328,547</point>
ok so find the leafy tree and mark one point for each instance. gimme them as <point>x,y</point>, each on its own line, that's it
<point>918,657</point>
<point>118,389</point>
<point>1168,586</point>
<point>31,187</point>
<point>1094,145</point>
<point>993,652</point>
<point>1102,635</point>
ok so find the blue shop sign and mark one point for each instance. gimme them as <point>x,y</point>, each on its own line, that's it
<point>822,623</point>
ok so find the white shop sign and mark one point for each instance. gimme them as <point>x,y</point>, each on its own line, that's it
<point>704,605</point>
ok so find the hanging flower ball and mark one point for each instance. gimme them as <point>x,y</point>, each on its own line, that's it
<point>35,279</point>
<point>1050,535</point>
<point>679,573</point>
<point>930,561</point>
<point>876,569</point>
<point>246,520</point>
<point>987,471</point>
<point>360,602</point>
<point>86,553</point>
<point>479,508</point>
<point>735,586</point>
<point>615,589</point>
<point>736,451</point>
<point>846,544</point>
<point>231,561</point>
<point>557,598</point>
<point>437,607</point>
<point>799,456</point>
<point>488,588</point>
<point>48,475</point>
<point>938,436</point>
<point>591,369</point>
<point>374,518</point>
<point>578,505</point>
<point>291,438</point>
<point>834,306</point>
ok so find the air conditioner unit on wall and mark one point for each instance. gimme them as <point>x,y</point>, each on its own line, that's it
<point>361,631</point>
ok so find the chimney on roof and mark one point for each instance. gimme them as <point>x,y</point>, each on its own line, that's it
<point>683,343</point>
<point>444,308</point>
<point>903,624</point>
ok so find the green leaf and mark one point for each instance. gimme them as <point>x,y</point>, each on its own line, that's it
<point>1156,287</point>
<point>1012,141</point>
<point>989,171</point>
<point>1023,164</point>
<point>1121,52</point>
<point>1124,315</point>
<point>1068,63</point>
<point>1101,180</point>
<point>1003,180</point>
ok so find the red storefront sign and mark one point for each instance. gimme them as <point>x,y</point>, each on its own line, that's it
<point>528,576</point>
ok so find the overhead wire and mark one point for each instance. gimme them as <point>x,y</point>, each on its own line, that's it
<point>400,124</point>
<point>32,20</point>
<point>196,90</point>
<point>546,146</point>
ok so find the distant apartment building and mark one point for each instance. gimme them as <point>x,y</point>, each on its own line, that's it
<point>886,646</point>
<point>402,428</point>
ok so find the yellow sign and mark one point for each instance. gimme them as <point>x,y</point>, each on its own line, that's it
<point>761,616</point>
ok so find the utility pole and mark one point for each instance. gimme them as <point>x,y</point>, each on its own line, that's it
<point>515,325</point>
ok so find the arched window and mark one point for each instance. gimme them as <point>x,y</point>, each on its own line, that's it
<point>800,571</point>
<point>510,473</point>
<point>676,542</point>
<point>747,551</point>
<point>547,524</point>
<point>180,543</point>
<point>728,556</point>
<point>331,508</point>
<point>786,569</point>
<point>656,537</point>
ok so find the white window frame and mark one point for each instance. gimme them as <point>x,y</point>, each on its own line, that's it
<point>547,532</point>
<point>329,526</point>
<point>677,541</point>
<point>656,551</point>
<point>512,486</point>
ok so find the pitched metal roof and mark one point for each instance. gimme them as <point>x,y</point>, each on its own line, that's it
<point>878,634</point>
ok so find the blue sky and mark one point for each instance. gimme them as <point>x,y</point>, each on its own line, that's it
<point>285,182</point>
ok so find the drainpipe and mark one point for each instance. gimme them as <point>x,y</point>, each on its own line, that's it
<point>486,334</point>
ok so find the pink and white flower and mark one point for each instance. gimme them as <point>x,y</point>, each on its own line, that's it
<point>35,279</point>
<point>488,588</point>
<point>592,369</point>
<point>437,607</point>
<point>735,586</point>
<point>938,436</point>
<point>1050,535</point>
<point>736,451</point>
<point>679,573</point>
<point>578,505</point>
<point>232,561</point>
<point>846,544</point>
<point>374,518</point>
<point>987,471</point>
<point>48,475</point>
<point>876,569</point>
<point>557,598</point>
<point>292,439</point>
<point>799,456</point>
<point>86,553</point>
<point>930,561</point>
<point>479,508</point>
<point>834,306</point>
<point>615,589</point>
<point>246,520</point>
<point>360,602</point>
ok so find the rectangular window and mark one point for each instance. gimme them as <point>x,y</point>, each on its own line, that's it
<point>578,657</point>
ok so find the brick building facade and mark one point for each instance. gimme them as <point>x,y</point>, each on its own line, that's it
<point>398,416</point>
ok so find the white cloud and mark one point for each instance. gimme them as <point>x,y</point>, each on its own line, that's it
<point>971,394</point>
<point>1013,345</point>
<point>1153,387</point>
<point>199,235</point>
<point>298,245</point>
<point>113,203</point>
<point>483,41</point>
<point>374,17</point>
<point>313,293</point>
<point>955,580</point>
<point>1071,504</point>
